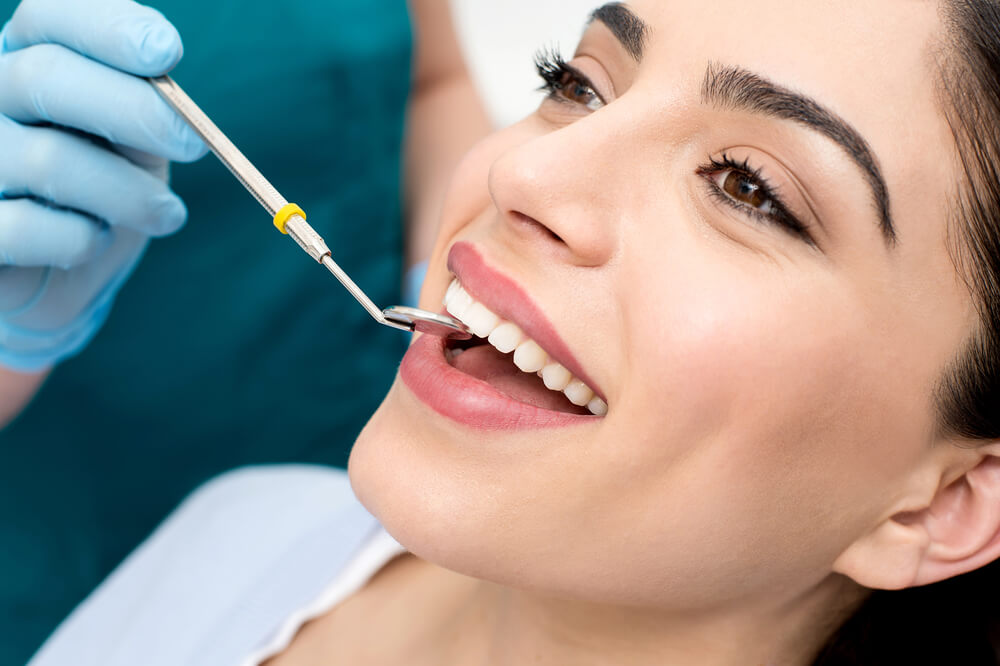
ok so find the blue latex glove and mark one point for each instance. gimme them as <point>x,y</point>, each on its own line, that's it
<point>83,179</point>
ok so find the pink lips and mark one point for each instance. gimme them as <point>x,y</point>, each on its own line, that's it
<point>471,401</point>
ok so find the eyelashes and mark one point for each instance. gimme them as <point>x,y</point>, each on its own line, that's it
<point>565,83</point>
<point>735,184</point>
<point>744,188</point>
<point>551,67</point>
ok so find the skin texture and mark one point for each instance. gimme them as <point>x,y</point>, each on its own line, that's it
<point>771,445</point>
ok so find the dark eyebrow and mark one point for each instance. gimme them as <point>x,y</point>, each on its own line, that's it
<point>625,25</point>
<point>736,88</point>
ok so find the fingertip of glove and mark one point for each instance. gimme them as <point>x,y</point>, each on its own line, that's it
<point>158,46</point>
<point>194,148</point>
<point>171,215</point>
<point>183,144</point>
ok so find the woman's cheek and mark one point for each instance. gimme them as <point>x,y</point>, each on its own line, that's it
<point>694,377</point>
<point>720,361</point>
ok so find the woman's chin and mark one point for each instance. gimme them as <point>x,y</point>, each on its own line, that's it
<point>403,477</point>
<point>371,456</point>
<point>391,477</point>
<point>457,497</point>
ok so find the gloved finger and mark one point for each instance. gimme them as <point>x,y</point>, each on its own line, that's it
<point>19,288</point>
<point>71,171</point>
<point>151,163</point>
<point>120,33</point>
<point>33,234</point>
<point>49,83</point>
<point>70,294</point>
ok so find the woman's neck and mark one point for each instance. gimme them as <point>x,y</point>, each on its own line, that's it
<point>517,627</point>
<point>428,615</point>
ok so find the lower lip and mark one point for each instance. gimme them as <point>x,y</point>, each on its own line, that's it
<point>470,401</point>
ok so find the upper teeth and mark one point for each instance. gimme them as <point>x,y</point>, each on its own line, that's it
<point>528,355</point>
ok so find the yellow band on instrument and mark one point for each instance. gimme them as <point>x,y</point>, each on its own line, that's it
<point>281,217</point>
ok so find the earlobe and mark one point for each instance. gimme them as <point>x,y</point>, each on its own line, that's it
<point>958,532</point>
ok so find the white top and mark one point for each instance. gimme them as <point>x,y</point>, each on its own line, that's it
<point>230,576</point>
<point>375,554</point>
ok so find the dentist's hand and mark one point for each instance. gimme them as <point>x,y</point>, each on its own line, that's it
<point>83,179</point>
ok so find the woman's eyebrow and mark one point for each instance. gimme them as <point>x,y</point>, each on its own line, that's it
<point>739,89</point>
<point>623,23</point>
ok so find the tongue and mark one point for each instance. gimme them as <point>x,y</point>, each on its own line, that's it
<point>498,370</point>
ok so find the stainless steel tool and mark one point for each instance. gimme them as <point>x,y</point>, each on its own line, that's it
<point>290,219</point>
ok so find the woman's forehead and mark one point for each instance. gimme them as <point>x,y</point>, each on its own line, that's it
<point>852,53</point>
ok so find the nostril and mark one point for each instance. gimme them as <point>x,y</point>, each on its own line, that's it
<point>534,225</point>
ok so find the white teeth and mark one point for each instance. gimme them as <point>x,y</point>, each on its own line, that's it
<point>508,337</point>
<point>556,377</point>
<point>529,357</point>
<point>451,292</point>
<point>480,320</point>
<point>578,393</point>
<point>459,304</point>
<point>597,407</point>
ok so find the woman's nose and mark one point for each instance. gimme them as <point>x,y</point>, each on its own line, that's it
<point>557,186</point>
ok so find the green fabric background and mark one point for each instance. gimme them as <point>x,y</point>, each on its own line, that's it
<point>229,345</point>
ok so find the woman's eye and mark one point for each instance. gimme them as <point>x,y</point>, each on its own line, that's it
<point>745,189</point>
<point>564,83</point>
<point>574,90</point>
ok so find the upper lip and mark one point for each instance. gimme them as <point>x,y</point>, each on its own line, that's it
<point>509,301</point>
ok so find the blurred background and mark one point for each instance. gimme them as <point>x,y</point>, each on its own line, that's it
<point>500,40</point>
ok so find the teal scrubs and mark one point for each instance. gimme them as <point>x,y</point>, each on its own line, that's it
<point>228,346</point>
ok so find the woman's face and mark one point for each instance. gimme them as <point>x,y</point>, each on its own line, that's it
<point>699,225</point>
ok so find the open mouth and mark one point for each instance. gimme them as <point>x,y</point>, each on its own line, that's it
<point>501,355</point>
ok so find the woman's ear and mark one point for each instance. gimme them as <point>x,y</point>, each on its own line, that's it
<point>956,531</point>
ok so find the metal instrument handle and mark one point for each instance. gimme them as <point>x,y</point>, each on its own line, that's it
<point>262,190</point>
<point>228,154</point>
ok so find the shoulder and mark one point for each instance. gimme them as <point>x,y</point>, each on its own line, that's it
<point>260,493</point>
<point>240,541</point>
<point>263,508</point>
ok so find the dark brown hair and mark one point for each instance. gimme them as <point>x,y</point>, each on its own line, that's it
<point>969,395</point>
<point>956,621</point>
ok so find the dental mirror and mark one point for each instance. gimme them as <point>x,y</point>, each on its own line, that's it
<point>423,321</point>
